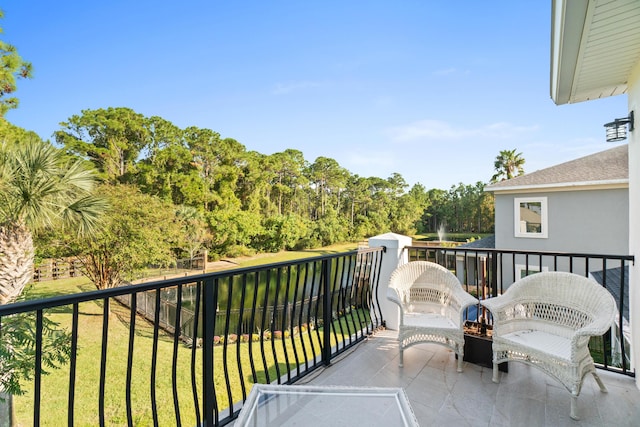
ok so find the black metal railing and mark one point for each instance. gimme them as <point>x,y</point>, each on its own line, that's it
<point>186,351</point>
<point>489,272</point>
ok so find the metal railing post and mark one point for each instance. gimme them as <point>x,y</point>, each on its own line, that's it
<point>208,321</point>
<point>326,311</point>
<point>494,273</point>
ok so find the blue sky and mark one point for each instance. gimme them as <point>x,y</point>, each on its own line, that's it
<point>432,90</point>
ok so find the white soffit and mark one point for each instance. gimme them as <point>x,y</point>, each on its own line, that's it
<point>564,186</point>
<point>594,46</point>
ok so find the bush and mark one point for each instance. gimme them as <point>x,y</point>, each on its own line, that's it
<point>236,251</point>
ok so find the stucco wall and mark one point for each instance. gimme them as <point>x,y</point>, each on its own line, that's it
<point>592,221</point>
<point>634,213</point>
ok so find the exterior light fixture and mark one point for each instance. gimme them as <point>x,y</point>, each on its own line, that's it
<point>617,129</point>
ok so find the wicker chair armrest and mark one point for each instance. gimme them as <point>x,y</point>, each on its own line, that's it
<point>463,298</point>
<point>598,327</point>
<point>392,295</point>
<point>496,305</point>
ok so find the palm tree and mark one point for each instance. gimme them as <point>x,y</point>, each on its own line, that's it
<point>39,187</point>
<point>507,164</point>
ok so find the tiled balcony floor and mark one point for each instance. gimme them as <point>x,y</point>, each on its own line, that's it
<point>442,397</point>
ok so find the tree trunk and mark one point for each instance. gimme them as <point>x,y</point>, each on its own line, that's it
<point>16,255</point>
<point>6,410</point>
<point>16,270</point>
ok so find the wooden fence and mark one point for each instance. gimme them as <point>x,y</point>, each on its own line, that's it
<point>63,268</point>
<point>53,269</point>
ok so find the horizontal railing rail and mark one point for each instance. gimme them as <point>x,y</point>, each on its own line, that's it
<point>489,272</point>
<point>186,351</point>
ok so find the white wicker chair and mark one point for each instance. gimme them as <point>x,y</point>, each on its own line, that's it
<point>546,320</point>
<point>432,303</point>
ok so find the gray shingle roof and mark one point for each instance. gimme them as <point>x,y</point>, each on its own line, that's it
<point>614,280</point>
<point>488,242</point>
<point>610,166</point>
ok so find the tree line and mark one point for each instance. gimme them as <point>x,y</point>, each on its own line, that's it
<point>261,202</point>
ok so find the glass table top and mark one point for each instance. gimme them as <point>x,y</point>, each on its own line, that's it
<point>308,405</point>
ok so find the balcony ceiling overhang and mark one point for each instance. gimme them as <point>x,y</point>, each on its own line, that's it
<point>594,47</point>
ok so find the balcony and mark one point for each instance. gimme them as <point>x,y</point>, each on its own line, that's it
<point>440,396</point>
<point>187,351</point>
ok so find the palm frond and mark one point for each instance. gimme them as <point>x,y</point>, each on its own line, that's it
<point>43,188</point>
<point>85,214</point>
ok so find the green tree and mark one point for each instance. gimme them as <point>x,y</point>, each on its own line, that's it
<point>219,163</point>
<point>508,164</point>
<point>253,187</point>
<point>195,233</point>
<point>329,180</point>
<point>234,231</point>
<point>357,198</point>
<point>13,134</point>
<point>282,232</point>
<point>486,210</point>
<point>405,219</point>
<point>112,139</point>
<point>329,229</point>
<point>138,230</point>
<point>287,178</point>
<point>438,210</point>
<point>12,68</point>
<point>168,171</point>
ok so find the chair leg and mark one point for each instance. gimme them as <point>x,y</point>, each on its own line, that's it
<point>603,389</point>
<point>460,360</point>
<point>574,407</point>
<point>401,357</point>
<point>494,378</point>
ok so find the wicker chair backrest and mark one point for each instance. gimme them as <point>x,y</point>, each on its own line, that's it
<point>563,299</point>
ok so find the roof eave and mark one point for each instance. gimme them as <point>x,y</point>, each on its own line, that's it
<point>562,186</point>
<point>568,21</point>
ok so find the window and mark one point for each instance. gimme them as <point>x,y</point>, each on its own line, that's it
<point>531,217</point>
<point>523,271</point>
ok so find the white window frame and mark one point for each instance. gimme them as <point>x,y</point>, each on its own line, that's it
<point>532,270</point>
<point>543,217</point>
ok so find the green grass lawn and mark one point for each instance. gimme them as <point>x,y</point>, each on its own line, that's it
<point>290,255</point>
<point>55,385</point>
